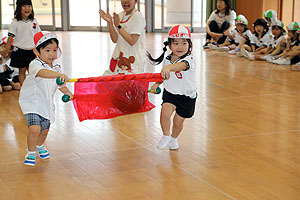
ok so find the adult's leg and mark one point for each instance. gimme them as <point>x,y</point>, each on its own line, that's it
<point>223,28</point>
<point>213,26</point>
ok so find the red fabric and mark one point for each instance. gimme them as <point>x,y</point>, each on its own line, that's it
<point>111,96</point>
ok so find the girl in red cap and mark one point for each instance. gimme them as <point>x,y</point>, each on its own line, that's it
<point>180,90</point>
<point>22,30</point>
<point>37,94</point>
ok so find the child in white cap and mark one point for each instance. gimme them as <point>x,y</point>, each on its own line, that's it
<point>37,94</point>
<point>180,90</point>
<point>277,44</point>
<point>292,47</point>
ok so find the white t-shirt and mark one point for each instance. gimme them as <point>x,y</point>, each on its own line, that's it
<point>23,33</point>
<point>36,95</point>
<point>133,24</point>
<point>182,82</point>
<point>264,41</point>
<point>237,38</point>
<point>221,18</point>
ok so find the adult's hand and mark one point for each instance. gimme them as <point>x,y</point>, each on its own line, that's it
<point>116,19</point>
<point>106,16</point>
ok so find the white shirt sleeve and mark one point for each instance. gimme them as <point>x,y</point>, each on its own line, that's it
<point>34,67</point>
<point>212,16</point>
<point>13,28</point>
<point>188,61</point>
<point>138,24</point>
<point>231,17</point>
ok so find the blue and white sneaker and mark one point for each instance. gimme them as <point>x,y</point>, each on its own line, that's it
<point>43,152</point>
<point>29,160</point>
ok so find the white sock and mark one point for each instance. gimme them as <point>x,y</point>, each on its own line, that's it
<point>31,153</point>
<point>40,147</point>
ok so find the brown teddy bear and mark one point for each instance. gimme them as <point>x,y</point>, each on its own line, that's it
<point>124,64</point>
<point>120,66</point>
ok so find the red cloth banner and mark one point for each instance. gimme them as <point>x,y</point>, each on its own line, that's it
<point>107,97</point>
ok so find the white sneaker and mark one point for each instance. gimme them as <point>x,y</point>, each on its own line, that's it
<point>235,51</point>
<point>239,54</point>
<point>266,57</point>
<point>224,48</point>
<point>250,56</point>
<point>296,67</point>
<point>244,53</point>
<point>173,144</point>
<point>283,61</point>
<point>212,46</point>
<point>164,142</point>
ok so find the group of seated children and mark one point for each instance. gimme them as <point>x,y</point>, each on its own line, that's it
<point>8,76</point>
<point>268,42</point>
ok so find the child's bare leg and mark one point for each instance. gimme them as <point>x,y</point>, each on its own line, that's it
<point>166,111</point>
<point>1,89</point>
<point>15,86</point>
<point>33,136</point>
<point>22,74</point>
<point>7,88</point>
<point>42,137</point>
<point>177,125</point>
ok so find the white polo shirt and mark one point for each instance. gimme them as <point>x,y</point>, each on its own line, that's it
<point>264,41</point>
<point>36,95</point>
<point>133,24</point>
<point>23,33</point>
<point>221,18</point>
<point>182,82</point>
<point>276,42</point>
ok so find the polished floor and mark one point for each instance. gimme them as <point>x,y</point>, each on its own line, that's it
<point>242,144</point>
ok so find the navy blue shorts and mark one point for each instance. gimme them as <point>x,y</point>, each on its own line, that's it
<point>185,106</point>
<point>21,58</point>
<point>35,119</point>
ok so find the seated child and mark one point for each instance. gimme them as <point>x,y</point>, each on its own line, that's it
<point>270,16</point>
<point>260,39</point>
<point>239,36</point>
<point>5,70</point>
<point>278,43</point>
<point>292,47</point>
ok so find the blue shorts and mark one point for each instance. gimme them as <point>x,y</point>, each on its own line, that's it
<point>36,119</point>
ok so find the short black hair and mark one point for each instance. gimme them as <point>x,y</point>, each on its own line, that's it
<point>44,44</point>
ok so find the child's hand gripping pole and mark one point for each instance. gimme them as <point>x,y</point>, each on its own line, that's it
<point>157,91</point>
<point>65,98</point>
<point>60,82</point>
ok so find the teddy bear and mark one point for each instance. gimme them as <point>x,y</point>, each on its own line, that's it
<point>121,66</point>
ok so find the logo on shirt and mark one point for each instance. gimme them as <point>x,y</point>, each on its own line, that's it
<point>34,26</point>
<point>178,75</point>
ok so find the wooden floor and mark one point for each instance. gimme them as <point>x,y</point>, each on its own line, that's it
<point>243,142</point>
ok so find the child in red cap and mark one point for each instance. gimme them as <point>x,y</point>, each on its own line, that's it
<point>180,90</point>
<point>37,94</point>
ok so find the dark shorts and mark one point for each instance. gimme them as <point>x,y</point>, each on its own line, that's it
<point>15,79</point>
<point>21,58</point>
<point>35,119</point>
<point>4,82</point>
<point>185,106</point>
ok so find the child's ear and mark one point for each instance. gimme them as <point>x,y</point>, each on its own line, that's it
<point>36,52</point>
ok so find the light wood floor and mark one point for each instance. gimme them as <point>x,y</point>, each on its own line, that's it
<point>242,144</point>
